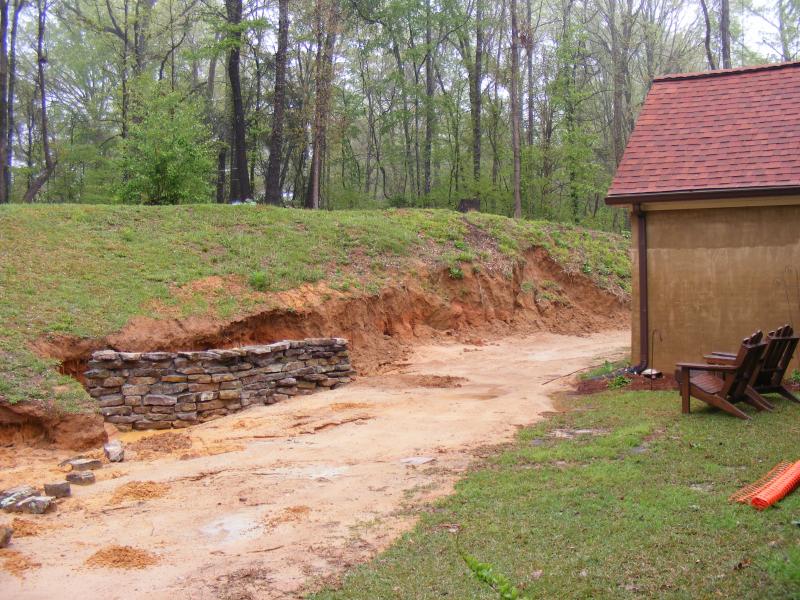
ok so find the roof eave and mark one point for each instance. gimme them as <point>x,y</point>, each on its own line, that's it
<point>704,194</point>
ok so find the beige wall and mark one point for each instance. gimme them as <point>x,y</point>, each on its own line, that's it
<point>715,275</point>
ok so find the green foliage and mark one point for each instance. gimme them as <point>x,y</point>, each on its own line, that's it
<point>608,513</point>
<point>259,281</point>
<point>619,382</point>
<point>795,376</point>
<point>456,272</point>
<point>606,368</point>
<point>485,573</point>
<point>167,157</point>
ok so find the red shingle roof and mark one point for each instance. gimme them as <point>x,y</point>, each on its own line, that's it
<point>736,129</point>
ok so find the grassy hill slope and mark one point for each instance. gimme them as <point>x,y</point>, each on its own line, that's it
<point>86,271</point>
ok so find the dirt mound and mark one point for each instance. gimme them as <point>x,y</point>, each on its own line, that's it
<point>17,563</point>
<point>121,557</point>
<point>161,443</point>
<point>30,423</point>
<point>25,528</point>
<point>535,295</point>
<point>290,514</point>
<point>138,490</point>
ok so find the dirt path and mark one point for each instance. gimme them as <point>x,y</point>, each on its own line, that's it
<point>268,502</point>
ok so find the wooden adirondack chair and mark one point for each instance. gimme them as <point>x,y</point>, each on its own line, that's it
<point>772,367</point>
<point>722,385</point>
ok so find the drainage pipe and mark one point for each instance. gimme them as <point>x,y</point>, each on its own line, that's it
<point>641,235</point>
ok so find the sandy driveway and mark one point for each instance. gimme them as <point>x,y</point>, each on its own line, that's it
<point>269,501</point>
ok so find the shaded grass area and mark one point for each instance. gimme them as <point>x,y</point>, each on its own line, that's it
<point>87,270</point>
<point>636,508</point>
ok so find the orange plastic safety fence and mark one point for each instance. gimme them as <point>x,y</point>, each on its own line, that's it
<point>772,487</point>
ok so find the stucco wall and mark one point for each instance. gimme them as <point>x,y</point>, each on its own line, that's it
<point>716,275</point>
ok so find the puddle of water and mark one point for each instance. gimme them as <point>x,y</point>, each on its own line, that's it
<point>232,528</point>
<point>417,460</point>
<point>315,472</point>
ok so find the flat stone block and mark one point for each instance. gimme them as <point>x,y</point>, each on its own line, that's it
<point>35,505</point>
<point>59,489</point>
<point>159,400</point>
<point>114,451</point>
<point>85,464</point>
<point>81,477</point>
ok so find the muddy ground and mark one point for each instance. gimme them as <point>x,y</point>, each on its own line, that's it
<point>276,500</point>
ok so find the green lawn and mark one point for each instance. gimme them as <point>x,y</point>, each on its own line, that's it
<point>639,509</point>
<point>86,270</point>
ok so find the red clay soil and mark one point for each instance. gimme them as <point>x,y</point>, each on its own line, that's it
<point>380,327</point>
<point>30,423</point>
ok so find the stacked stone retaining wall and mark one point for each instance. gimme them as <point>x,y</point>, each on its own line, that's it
<point>160,390</point>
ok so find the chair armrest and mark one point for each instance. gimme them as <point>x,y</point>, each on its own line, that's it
<point>706,367</point>
<point>719,359</point>
<point>723,354</point>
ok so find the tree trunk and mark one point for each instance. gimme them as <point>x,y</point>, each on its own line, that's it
<point>429,91</point>
<point>515,112</point>
<point>4,104</point>
<point>409,168</point>
<point>784,25</point>
<point>478,83</point>
<point>712,64</point>
<point>12,80</point>
<point>221,160</point>
<point>725,32</point>
<point>617,85</point>
<point>327,26</point>
<point>240,180</point>
<point>49,164</point>
<point>529,68</point>
<point>274,193</point>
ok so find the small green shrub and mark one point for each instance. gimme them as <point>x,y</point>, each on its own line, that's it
<point>605,369</point>
<point>456,272</point>
<point>619,382</point>
<point>259,281</point>
<point>485,573</point>
<point>466,257</point>
<point>549,284</point>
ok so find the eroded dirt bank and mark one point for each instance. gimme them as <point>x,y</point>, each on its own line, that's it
<point>266,503</point>
<point>535,294</point>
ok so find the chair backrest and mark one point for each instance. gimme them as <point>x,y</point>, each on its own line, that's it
<point>747,361</point>
<point>781,345</point>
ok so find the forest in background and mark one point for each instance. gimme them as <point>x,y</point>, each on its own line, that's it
<point>523,104</point>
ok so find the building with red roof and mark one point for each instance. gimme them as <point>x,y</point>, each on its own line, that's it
<point>711,175</point>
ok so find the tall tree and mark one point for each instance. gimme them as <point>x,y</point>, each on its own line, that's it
<point>712,63</point>
<point>5,194</point>
<point>477,93</point>
<point>725,32</point>
<point>240,178</point>
<point>41,61</point>
<point>274,193</point>
<point>327,24</point>
<point>430,88</point>
<point>515,112</point>
<point>4,100</point>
